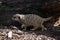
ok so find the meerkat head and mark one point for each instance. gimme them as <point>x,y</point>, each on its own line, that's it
<point>17,17</point>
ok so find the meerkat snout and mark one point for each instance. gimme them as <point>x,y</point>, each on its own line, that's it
<point>16,18</point>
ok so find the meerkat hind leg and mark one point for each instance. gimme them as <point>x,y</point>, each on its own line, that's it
<point>43,28</point>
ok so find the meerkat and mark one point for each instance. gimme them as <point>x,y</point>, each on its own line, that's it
<point>30,19</point>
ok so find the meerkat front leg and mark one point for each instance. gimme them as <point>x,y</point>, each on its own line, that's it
<point>24,26</point>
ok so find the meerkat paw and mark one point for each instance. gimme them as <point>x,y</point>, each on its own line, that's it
<point>22,26</point>
<point>44,29</point>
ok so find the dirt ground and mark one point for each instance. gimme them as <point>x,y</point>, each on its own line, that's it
<point>28,35</point>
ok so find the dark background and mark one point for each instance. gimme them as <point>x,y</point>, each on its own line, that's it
<point>43,8</point>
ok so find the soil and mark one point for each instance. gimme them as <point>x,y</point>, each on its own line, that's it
<point>28,35</point>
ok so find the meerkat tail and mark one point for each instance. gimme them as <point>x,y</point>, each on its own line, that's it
<point>46,19</point>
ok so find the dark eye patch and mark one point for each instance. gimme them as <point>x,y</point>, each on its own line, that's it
<point>19,17</point>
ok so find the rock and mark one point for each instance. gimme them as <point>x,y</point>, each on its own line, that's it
<point>10,34</point>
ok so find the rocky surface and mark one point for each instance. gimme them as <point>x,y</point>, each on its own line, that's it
<point>28,35</point>
<point>53,34</point>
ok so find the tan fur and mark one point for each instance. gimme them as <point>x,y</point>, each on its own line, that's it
<point>57,23</point>
<point>31,19</point>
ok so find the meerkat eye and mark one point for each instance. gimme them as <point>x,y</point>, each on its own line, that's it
<point>19,17</point>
